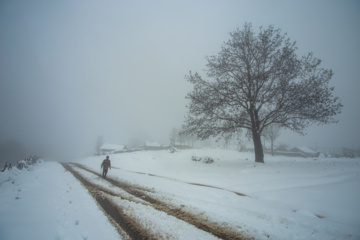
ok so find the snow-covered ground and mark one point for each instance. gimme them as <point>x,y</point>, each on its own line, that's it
<point>286,198</point>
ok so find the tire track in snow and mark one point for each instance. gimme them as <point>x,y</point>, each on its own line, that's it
<point>123,225</point>
<point>191,183</point>
<point>144,196</point>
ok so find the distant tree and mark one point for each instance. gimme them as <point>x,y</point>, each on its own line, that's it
<point>272,132</point>
<point>190,139</point>
<point>227,139</point>
<point>282,147</point>
<point>99,143</point>
<point>181,138</point>
<point>257,80</point>
<point>173,136</point>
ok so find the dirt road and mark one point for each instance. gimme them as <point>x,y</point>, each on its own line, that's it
<point>116,197</point>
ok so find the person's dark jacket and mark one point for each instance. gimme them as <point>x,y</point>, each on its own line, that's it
<point>106,164</point>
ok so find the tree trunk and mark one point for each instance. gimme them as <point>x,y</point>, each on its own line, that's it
<point>259,153</point>
<point>272,147</point>
<point>258,149</point>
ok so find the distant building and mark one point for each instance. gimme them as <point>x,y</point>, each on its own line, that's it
<point>305,152</point>
<point>112,148</point>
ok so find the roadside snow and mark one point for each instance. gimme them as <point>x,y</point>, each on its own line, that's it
<point>48,203</point>
<point>286,198</point>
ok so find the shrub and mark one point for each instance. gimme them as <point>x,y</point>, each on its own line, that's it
<point>206,160</point>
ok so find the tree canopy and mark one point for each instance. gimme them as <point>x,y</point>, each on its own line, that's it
<point>257,79</point>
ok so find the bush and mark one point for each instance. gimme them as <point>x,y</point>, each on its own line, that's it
<point>206,160</point>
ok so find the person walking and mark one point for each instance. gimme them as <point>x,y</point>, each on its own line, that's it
<point>105,165</point>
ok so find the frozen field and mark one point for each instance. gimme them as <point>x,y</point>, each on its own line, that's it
<point>285,198</point>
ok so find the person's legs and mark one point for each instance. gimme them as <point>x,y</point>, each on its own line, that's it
<point>104,173</point>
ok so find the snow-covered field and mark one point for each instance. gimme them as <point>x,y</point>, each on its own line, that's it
<point>286,198</point>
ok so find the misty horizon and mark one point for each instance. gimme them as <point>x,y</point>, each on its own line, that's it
<point>71,71</point>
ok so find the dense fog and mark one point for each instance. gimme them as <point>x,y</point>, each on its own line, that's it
<point>71,71</point>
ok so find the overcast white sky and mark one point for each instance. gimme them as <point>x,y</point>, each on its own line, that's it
<point>73,70</point>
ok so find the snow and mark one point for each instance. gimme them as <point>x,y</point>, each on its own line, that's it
<point>286,198</point>
<point>48,203</point>
<point>152,144</point>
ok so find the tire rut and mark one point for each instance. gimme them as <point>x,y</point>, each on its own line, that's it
<point>133,229</point>
<point>124,225</point>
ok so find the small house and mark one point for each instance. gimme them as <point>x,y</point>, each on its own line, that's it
<point>305,152</point>
<point>112,148</point>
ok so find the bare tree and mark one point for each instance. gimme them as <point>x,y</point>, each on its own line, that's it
<point>283,147</point>
<point>181,138</point>
<point>257,80</point>
<point>190,140</point>
<point>272,132</point>
<point>99,143</point>
<point>227,139</point>
<point>173,136</point>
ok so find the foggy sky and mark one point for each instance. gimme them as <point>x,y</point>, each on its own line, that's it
<point>73,70</point>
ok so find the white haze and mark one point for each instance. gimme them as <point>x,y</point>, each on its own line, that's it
<point>73,70</point>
